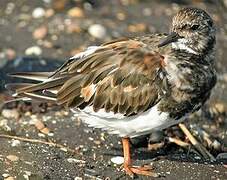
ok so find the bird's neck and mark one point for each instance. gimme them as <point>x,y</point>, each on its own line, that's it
<point>201,48</point>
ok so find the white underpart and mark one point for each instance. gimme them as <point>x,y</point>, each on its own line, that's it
<point>123,126</point>
<point>181,45</point>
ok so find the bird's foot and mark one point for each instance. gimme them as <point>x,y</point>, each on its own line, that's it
<point>145,170</point>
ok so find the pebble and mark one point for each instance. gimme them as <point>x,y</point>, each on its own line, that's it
<point>117,160</point>
<point>74,28</point>
<point>73,160</point>
<point>38,12</point>
<point>76,12</point>
<point>5,175</point>
<point>15,143</point>
<point>10,54</point>
<point>140,27</point>
<point>33,50</point>
<point>220,107</point>
<point>221,156</point>
<point>4,125</point>
<point>49,13</point>
<point>10,113</point>
<point>9,178</point>
<point>40,32</point>
<point>12,157</point>
<point>78,178</point>
<point>97,31</point>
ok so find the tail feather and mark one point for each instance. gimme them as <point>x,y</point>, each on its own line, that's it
<point>15,86</point>
<point>45,90</point>
<point>37,76</point>
<point>39,97</point>
<point>43,86</point>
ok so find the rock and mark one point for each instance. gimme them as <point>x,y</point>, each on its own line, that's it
<point>4,125</point>
<point>34,50</point>
<point>59,5</point>
<point>12,157</point>
<point>117,160</point>
<point>73,160</point>
<point>38,12</point>
<point>10,113</point>
<point>140,27</point>
<point>156,137</point>
<point>147,12</point>
<point>220,107</point>
<point>121,16</point>
<point>222,156</point>
<point>78,178</point>
<point>97,31</point>
<point>5,175</point>
<point>40,32</point>
<point>10,54</point>
<point>41,127</point>
<point>76,12</point>
<point>9,178</point>
<point>15,143</point>
<point>73,28</point>
<point>49,13</point>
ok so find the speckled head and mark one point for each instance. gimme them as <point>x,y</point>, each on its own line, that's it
<point>195,28</point>
<point>192,30</point>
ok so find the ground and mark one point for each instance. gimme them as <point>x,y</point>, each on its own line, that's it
<point>41,39</point>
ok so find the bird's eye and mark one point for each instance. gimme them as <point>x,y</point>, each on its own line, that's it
<point>195,27</point>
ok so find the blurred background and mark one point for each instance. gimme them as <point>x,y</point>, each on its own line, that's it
<point>39,35</point>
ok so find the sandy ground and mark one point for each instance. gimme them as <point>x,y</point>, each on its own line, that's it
<point>58,33</point>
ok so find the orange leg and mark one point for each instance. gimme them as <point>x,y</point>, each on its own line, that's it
<point>131,170</point>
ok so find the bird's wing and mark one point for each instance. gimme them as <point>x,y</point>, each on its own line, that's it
<point>120,76</point>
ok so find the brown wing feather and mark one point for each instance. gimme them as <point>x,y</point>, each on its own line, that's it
<point>120,78</point>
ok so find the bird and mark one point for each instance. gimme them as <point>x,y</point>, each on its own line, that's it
<point>133,86</point>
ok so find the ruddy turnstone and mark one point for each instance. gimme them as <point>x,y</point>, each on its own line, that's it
<point>133,86</point>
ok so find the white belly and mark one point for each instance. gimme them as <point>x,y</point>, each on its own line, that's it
<point>124,126</point>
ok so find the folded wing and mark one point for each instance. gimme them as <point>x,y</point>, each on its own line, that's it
<point>121,76</point>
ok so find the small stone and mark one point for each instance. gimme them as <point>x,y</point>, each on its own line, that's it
<point>97,31</point>
<point>76,12</point>
<point>4,125</point>
<point>40,32</point>
<point>117,160</point>
<point>97,142</point>
<point>140,27</point>
<point>38,12</point>
<point>10,113</point>
<point>10,54</point>
<point>78,178</point>
<point>34,50</point>
<point>73,28</point>
<point>5,175</point>
<point>15,143</point>
<point>147,12</point>
<point>222,156</point>
<point>12,158</point>
<point>73,160</point>
<point>59,5</point>
<point>9,178</point>
<point>47,44</point>
<point>121,16</point>
<point>220,107</point>
<point>49,13</point>
<point>216,145</point>
<point>45,131</point>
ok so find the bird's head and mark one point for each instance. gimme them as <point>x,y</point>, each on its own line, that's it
<point>192,30</point>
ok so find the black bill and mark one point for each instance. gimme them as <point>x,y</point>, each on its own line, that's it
<point>172,37</point>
